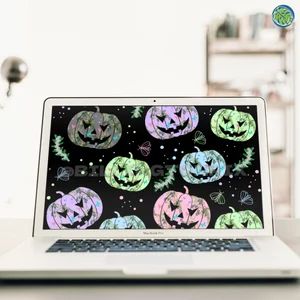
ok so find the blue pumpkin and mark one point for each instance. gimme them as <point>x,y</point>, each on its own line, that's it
<point>202,166</point>
<point>127,222</point>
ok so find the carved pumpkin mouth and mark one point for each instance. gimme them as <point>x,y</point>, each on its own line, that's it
<point>232,134</point>
<point>93,141</point>
<point>84,220</point>
<point>176,225</point>
<point>126,184</point>
<point>205,177</point>
<point>174,130</point>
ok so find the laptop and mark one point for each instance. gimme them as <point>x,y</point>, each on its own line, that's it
<point>153,188</point>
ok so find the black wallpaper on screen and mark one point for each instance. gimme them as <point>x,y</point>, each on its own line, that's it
<point>163,152</point>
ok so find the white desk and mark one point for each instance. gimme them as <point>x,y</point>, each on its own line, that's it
<point>13,232</point>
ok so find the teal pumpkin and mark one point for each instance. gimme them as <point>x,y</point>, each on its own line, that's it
<point>239,220</point>
<point>233,125</point>
<point>127,222</point>
<point>127,173</point>
<point>202,166</point>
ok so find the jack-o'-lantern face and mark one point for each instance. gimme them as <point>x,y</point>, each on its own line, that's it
<point>79,209</point>
<point>94,129</point>
<point>166,122</point>
<point>127,173</point>
<point>176,210</point>
<point>233,125</point>
<point>126,222</point>
<point>202,166</point>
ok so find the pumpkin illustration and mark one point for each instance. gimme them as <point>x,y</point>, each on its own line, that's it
<point>181,211</point>
<point>233,125</point>
<point>127,222</point>
<point>127,173</point>
<point>239,220</point>
<point>94,129</point>
<point>79,209</point>
<point>166,122</point>
<point>202,166</point>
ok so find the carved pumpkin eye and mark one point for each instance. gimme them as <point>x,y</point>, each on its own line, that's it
<point>161,118</point>
<point>86,125</point>
<point>173,206</point>
<point>194,165</point>
<point>103,127</point>
<point>178,114</point>
<point>80,203</point>
<point>64,213</point>
<point>209,162</point>
<point>241,123</point>
<point>93,131</point>
<point>225,120</point>
<point>135,172</point>
<point>192,211</point>
<point>121,169</point>
<point>75,214</point>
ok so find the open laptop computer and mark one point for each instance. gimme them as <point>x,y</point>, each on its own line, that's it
<point>143,188</point>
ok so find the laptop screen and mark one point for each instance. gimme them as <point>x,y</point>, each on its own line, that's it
<point>153,167</point>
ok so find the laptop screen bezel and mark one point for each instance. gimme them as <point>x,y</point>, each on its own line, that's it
<point>39,231</point>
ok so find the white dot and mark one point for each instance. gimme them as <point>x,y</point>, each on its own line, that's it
<point>82,172</point>
<point>182,152</point>
<point>249,186</point>
<point>256,171</point>
<point>259,190</point>
<point>48,197</point>
<point>127,132</point>
<point>62,107</point>
<point>129,125</point>
<point>90,164</point>
<point>220,183</point>
<point>175,150</point>
<point>230,176</point>
<point>141,200</point>
<point>123,106</point>
<point>161,147</point>
<point>121,197</point>
<point>232,195</point>
<point>81,159</point>
<point>52,184</point>
<point>100,160</point>
<point>134,131</point>
<point>134,208</point>
<point>69,108</point>
<point>174,157</point>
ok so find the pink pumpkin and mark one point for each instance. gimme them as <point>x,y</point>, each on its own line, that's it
<point>79,209</point>
<point>166,122</point>
<point>181,211</point>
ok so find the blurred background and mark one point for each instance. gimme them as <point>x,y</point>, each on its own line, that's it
<point>146,48</point>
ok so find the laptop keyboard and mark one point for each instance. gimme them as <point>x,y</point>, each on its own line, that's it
<point>147,245</point>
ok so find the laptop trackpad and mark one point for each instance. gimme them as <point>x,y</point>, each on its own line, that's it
<point>149,259</point>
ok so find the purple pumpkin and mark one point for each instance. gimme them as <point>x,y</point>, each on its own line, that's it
<point>166,122</point>
<point>79,209</point>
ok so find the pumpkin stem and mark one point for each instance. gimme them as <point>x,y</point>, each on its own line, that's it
<point>97,108</point>
<point>186,189</point>
<point>60,193</point>
<point>234,107</point>
<point>233,210</point>
<point>118,215</point>
<point>197,148</point>
<point>131,156</point>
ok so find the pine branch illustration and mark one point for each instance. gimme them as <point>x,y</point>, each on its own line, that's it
<point>246,161</point>
<point>167,179</point>
<point>137,112</point>
<point>58,149</point>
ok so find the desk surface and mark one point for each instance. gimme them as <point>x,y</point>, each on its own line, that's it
<point>14,231</point>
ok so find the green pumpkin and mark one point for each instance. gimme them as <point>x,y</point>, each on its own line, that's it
<point>127,222</point>
<point>239,220</point>
<point>127,173</point>
<point>233,125</point>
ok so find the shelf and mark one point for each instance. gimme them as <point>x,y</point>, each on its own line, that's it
<point>237,46</point>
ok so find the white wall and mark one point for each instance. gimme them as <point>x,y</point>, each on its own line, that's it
<point>96,48</point>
